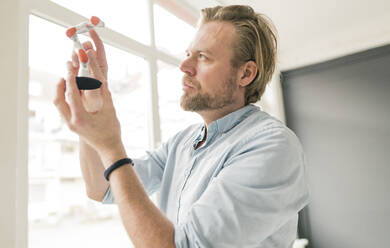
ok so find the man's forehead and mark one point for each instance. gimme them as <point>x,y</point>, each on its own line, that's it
<point>213,35</point>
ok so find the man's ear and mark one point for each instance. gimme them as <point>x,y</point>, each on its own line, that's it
<point>248,72</point>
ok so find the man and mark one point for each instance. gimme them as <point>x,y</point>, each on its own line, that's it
<point>237,180</point>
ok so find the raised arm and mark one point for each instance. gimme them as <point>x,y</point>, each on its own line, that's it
<point>91,165</point>
<point>92,170</point>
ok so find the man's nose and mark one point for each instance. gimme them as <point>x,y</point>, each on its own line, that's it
<point>188,66</point>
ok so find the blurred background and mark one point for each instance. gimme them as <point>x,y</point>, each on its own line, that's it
<point>331,87</point>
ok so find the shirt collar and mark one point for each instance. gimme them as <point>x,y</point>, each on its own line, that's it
<point>225,123</point>
<point>229,121</point>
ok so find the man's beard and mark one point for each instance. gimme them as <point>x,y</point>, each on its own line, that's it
<point>206,101</point>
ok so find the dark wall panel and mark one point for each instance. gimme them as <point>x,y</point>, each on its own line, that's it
<point>340,110</point>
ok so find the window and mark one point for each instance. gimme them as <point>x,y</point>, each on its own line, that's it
<point>60,214</point>
<point>128,79</point>
<point>58,206</point>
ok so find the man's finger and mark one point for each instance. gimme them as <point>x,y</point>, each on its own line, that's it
<point>96,70</point>
<point>59,100</point>
<point>72,91</point>
<point>87,45</point>
<point>101,53</point>
<point>75,62</point>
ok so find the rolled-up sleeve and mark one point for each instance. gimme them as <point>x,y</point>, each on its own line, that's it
<point>261,187</point>
<point>149,169</point>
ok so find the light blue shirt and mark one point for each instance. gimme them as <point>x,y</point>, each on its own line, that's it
<point>242,188</point>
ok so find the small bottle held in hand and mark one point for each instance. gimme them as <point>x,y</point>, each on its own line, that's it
<point>93,100</point>
<point>90,87</point>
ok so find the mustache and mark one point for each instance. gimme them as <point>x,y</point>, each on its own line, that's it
<point>190,81</point>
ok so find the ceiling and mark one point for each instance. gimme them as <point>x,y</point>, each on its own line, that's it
<point>315,31</point>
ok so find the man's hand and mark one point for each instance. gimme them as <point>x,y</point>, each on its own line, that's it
<point>101,129</point>
<point>97,65</point>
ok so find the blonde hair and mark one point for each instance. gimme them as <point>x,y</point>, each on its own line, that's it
<point>256,41</point>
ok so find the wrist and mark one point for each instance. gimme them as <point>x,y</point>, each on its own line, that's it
<point>111,155</point>
<point>116,165</point>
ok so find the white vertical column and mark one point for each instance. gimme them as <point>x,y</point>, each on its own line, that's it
<point>14,123</point>
<point>154,116</point>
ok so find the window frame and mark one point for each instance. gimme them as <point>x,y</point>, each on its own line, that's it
<point>15,158</point>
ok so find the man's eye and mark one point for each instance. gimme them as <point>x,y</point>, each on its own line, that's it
<point>202,56</point>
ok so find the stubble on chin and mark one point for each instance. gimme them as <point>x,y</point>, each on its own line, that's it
<point>205,101</point>
<point>198,102</point>
<point>195,102</point>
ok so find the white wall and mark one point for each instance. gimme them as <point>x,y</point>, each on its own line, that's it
<point>13,132</point>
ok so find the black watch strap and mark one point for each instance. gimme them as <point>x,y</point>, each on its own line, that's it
<point>116,165</point>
